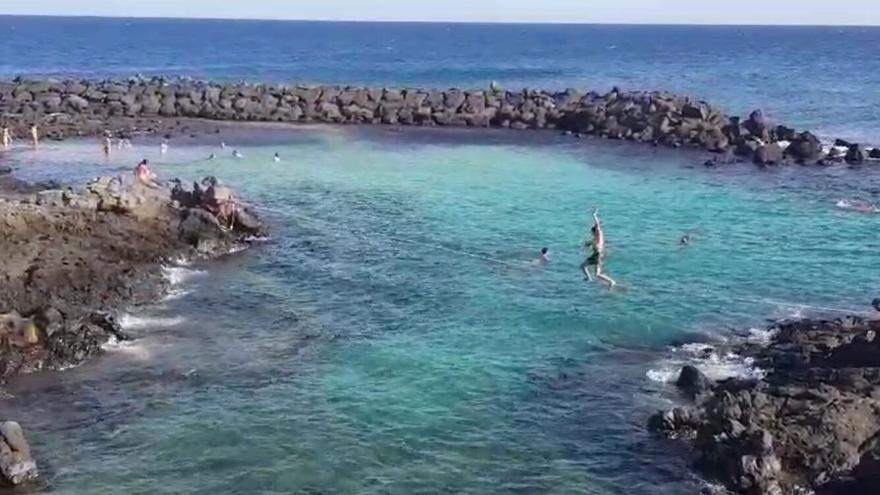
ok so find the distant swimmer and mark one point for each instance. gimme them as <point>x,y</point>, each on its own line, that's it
<point>6,137</point>
<point>163,148</point>
<point>685,240</point>
<point>596,256</point>
<point>143,174</point>
<point>222,145</point>
<point>35,136</point>
<point>277,158</point>
<point>108,146</point>
<point>544,259</point>
<point>236,154</point>
<point>858,205</point>
<point>212,156</point>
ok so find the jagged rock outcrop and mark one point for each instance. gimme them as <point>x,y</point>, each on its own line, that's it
<point>74,256</point>
<point>812,423</point>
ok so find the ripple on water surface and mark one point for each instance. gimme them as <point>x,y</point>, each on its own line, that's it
<point>393,337</point>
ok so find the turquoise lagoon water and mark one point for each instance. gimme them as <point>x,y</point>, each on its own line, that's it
<point>391,337</point>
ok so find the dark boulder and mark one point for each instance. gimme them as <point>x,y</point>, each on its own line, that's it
<point>783,133</point>
<point>855,154</point>
<point>769,154</point>
<point>874,153</point>
<point>805,147</point>
<point>695,111</point>
<point>757,125</point>
<point>692,381</point>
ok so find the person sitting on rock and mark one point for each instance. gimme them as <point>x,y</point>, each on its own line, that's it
<point>144,176</point>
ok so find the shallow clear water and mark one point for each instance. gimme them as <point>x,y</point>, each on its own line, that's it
<point>392,338</point>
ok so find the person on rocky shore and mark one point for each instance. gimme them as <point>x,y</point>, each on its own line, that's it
<point>144,176</point>
<point>35,135</point>
<point>6,137</point>
<point>596,253</point>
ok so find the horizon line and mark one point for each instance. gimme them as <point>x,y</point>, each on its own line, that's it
<point>424,21</point>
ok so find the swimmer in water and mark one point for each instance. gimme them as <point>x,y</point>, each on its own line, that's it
<point>212,156</point>
<point>596,256</point>
<point>222,145</point>
<point>858,205</point>
<point>236,154</point>
<point>685,240</point>
<point>277,158</point>
<point>544,258</point>
<point>163,148</point>
<point>108,145</point>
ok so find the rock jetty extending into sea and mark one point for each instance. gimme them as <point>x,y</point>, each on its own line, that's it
<point>65,108</point>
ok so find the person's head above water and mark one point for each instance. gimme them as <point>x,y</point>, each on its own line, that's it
<point>685,240</point>
<point>544,250</point>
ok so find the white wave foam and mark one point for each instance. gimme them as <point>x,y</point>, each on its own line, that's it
<point>176,275</point>
<point>181,261</point>
<point>176,293</point>
<point>761,336</point>
<point>134,348</point>
<point>707,359</point>
<point>130,322</point>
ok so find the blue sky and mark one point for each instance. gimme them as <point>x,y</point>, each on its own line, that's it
<point>860,12</point>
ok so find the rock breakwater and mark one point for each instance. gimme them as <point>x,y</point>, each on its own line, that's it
<point>82,107</point>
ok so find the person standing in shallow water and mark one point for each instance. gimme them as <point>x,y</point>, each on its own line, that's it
<point>596,253</point>
<point>6,138</point>
<point>35,135</point>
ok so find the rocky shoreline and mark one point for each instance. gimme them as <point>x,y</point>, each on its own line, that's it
<point>138,105</point>
<point>74,257</point>
<point>811,425</point>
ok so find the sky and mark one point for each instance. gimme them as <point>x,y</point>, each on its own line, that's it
<point>825,12</point>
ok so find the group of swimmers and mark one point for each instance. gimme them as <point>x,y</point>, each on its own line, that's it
<point>6,137</point>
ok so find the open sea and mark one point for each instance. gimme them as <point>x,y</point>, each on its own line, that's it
<point>392,336</point>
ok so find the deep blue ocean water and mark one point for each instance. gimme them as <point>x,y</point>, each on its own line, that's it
<point>826,79</point>
<point>392,337</point>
